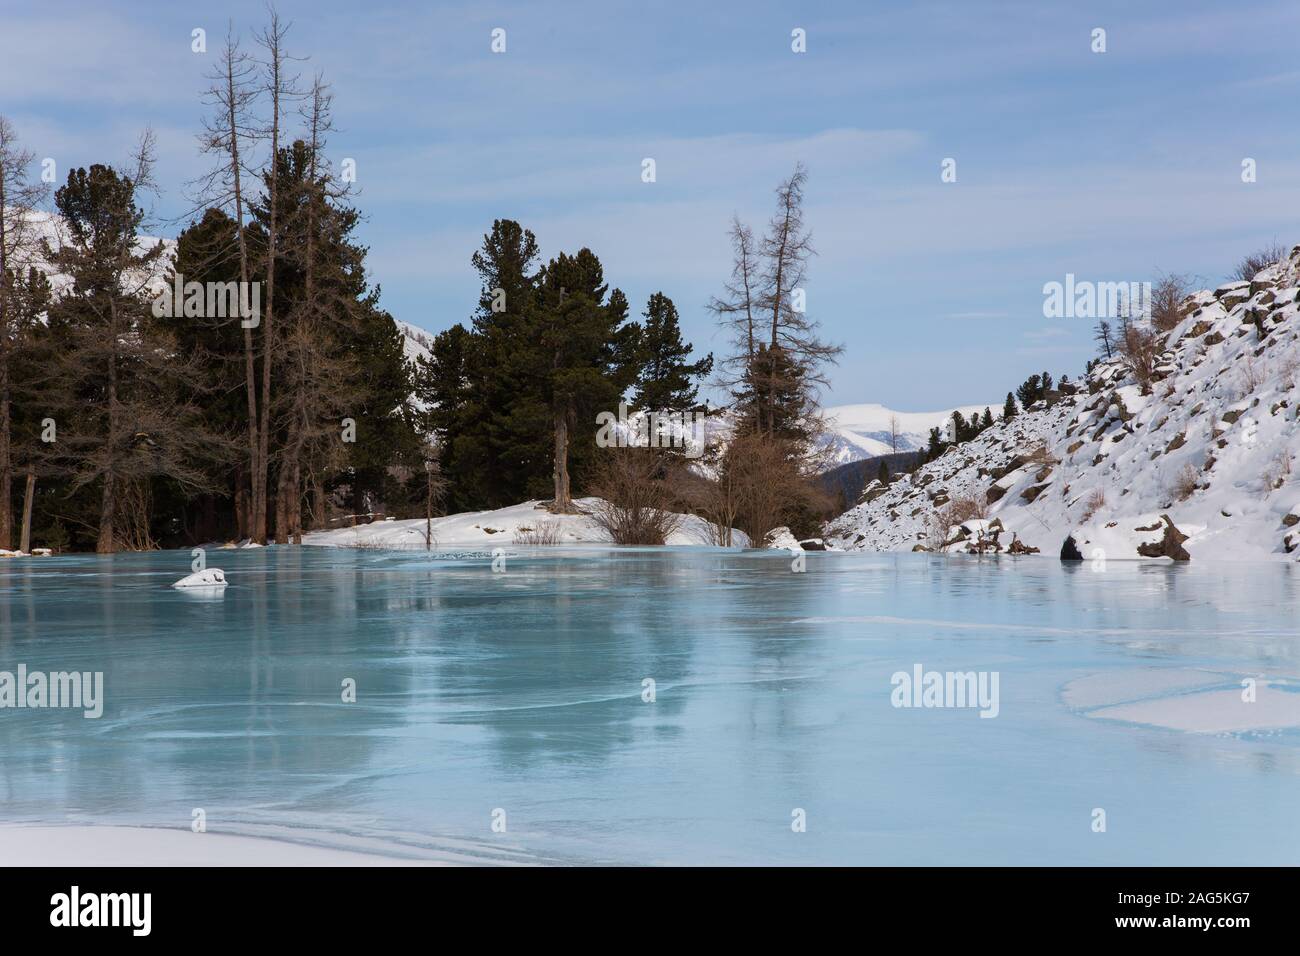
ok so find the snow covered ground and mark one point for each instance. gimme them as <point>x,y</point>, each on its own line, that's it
<point>1212,446</point>
<point>504,527</point>
<point>151,846</point>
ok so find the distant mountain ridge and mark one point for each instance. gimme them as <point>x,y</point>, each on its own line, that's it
<point>856,432</point>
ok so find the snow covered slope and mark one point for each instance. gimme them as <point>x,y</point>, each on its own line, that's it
<point>416,342</point>
<point>1212,446</point>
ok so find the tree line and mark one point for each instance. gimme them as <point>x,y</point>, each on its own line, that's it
<point>133,418</point>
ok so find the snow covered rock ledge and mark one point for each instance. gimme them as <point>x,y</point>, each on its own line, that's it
<point>1145,536</point>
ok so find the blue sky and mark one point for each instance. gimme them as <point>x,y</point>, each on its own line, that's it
<point>1110,166</point>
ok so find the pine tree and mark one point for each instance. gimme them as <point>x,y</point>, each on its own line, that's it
<point>960,430</point>
<point>987,420</point>
<point>587,356</point>
<point>1102,334</point>
<point>1031,391</point>
<point>1009,408</point>
<point>665,380</point>
<point>882,475</point>
<point>936,446</point>
<point>120,417</point>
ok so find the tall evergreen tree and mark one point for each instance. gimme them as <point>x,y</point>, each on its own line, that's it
<point>120,419</point>
<point>665,380</point>
<point>1009,408</point>
<point>587,356</point>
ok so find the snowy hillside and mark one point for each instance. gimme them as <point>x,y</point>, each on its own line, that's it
<point>416,342</point>
<point>51,228</point>
<point>854,432</point>
<point>1212,448</point>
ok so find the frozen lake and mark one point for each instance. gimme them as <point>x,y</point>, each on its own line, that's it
<point>1118,690</point>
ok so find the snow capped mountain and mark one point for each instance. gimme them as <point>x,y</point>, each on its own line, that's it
<point>1199,463</point>
<point>854,432</point>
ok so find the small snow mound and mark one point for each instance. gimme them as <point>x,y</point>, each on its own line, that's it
<point>781,539</point>
<point>207,578</point>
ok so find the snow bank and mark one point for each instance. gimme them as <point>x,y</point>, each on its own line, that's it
<point>504,527</point>
<point>142,846</point>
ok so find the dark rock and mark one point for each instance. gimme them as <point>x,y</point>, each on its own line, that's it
<point>1070,550</point>
<point>1169,546</point>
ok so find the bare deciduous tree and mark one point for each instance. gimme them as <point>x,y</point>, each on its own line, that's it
<point>20,197</point>
<point>280,87</point>
<point>1167,308</point>
<point>228,133</point>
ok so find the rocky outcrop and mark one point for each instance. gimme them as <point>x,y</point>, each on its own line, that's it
<point>1145,536</point>
<point>1204,454</point>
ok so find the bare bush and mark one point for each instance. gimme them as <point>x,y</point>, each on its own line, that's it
<point>1139,347</point>
<point>1185,483</point>
<point>546,532</point>
<point>1287,372</point>
<point>1251,375</point>
<point>635,498</point>
<point>1040,454</point>
<point>760,485</point>
<point>1278,470</point>
<point>955,512</point>
<point>1094,503</point>
<point>1167,301</point>
<point>1251,265</point>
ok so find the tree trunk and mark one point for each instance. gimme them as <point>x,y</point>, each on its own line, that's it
<point>282,503</point>
<point>6,514</point>
<point>6,461</point>
<point>563,503</point>
<point>320,520</point>
<point>108,502</point>
<point>295,509</point>
<point>242,503</point>
<point>29,496</point>
<point>247,483</point>
<point>106,505</point>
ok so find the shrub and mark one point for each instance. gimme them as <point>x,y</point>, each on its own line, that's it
<point>546,533</point>
<point>1185,483</point>
<point>1094,503</point>
<point>1251,265</point>
<point>635,501</point>
<point>1138,348</point>
<point>953,513</point>
<point>1167,308</point>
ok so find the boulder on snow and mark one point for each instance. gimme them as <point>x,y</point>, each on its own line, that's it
<point>1144,536</point>
<point>207,578</point>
